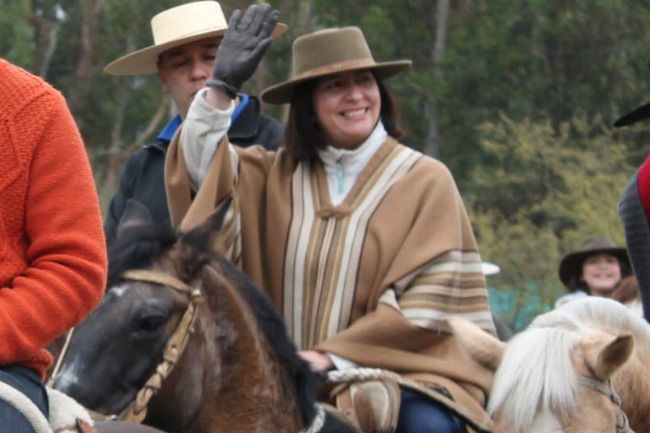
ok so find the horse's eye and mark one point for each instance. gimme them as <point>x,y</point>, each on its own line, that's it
<point>151,323</point>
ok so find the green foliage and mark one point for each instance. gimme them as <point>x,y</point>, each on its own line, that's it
<point>16,37</point>
<point>544,60</point>
<point>541,191</point>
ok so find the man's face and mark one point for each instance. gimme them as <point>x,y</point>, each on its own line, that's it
<point>184,70</point>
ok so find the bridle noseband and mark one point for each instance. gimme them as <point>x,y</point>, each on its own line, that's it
<point>622,423</point>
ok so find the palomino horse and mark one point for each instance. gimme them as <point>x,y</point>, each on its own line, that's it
<point>234,367</point>
<point>566,371</point>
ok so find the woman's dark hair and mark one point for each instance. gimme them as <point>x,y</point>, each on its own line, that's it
<point>576,283</point>
<point>302,134</point>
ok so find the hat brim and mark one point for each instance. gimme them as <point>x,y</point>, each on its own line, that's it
<point>283,92</point>
<point>571,264</point>
<point>636,115</point>
<point>145,61</point>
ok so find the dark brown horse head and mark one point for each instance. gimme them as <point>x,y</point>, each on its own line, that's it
<point>238,354</point>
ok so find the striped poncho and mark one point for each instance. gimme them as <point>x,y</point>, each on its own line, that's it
<point>371,279</point>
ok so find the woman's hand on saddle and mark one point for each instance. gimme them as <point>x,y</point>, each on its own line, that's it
<point>318,361</point>
<point>242,47</point>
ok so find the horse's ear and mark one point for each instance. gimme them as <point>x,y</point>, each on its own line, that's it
<point>135,215</point>
<point>481,346</point>
<point>203,236</point>
<point>605,357</point>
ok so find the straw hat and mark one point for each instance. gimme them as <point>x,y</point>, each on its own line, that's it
<point>571,264</point>
<point>175,27</point>
<point>327,52</point>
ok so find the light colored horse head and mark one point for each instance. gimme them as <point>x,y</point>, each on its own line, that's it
<point>557,374</point>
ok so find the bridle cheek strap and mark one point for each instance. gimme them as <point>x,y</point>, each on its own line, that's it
<point>622,423</point>
<point>137,410</point>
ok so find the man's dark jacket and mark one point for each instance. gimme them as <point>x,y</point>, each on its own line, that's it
<point>143,175</point>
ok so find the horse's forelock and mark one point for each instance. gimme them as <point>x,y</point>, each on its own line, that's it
<point>137,248</point>
<point>555,319</point>
<point>535,373</point>
<point>609,316</point>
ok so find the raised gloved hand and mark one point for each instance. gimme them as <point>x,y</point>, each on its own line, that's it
<point>242,47</point>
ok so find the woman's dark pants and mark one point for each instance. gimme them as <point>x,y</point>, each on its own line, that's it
<point>419,414</point>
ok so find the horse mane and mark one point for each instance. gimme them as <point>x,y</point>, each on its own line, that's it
<point>535,373</point>
<point>605,315</point>
<point>138,247</point>
<point>272,326</point>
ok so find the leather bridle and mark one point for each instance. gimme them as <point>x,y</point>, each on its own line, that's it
<point>622,423</point>
<point>137,410</point>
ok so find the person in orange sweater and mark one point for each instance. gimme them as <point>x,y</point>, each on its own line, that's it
<point>52,248</point>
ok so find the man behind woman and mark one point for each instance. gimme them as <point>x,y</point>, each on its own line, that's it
<point>362,243</point>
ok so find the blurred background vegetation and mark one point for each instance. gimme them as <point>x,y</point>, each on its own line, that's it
<point>517,97</point>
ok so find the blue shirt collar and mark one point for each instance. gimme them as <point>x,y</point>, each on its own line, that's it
<point>243,102</point>
<point>169,130</point>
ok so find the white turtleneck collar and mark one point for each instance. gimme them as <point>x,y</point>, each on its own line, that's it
<point>343,166</point>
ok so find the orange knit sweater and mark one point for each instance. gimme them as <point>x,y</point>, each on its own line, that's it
<point>52,253</point>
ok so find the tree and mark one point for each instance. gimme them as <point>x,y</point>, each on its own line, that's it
<point>541,191</point>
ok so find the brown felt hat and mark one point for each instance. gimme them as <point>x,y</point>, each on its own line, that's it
<point>327,52</point>
<point>571,264</point>
<point>175,27</point>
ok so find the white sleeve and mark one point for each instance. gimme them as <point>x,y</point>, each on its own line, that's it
<point>342,363</point>
<point>202,131</point>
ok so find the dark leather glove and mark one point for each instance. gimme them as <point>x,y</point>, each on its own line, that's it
<point>242,47</point>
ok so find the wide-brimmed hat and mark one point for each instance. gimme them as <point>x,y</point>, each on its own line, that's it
<point>327,52</point>
<point>636,115</point>
<point>172,28</point>
<point>571,264</point>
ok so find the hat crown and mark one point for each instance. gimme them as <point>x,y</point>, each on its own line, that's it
<point>329,52</point>
<point>598,243</point>
<point>330,48</point>
<point>187,20</point>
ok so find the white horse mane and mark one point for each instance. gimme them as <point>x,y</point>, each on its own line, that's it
<point>605,315</point>
<point>536,371</point>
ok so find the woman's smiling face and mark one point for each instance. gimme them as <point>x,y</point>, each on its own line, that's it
<point>601,273</point>
<point>347,107</point>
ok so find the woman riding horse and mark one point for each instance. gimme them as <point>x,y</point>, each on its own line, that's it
<point>362,243</point>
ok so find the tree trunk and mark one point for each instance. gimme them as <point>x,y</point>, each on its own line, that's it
<point>79,96</point>
<point>440,23</point>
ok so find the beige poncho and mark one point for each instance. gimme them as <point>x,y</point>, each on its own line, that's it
<point>369,280</point>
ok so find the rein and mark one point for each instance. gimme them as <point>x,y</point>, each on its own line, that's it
<point>317,423</point>
<point>622,423</point>
<point>137,410</point>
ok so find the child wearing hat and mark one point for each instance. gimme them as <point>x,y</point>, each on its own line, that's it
<point>599,268</point>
